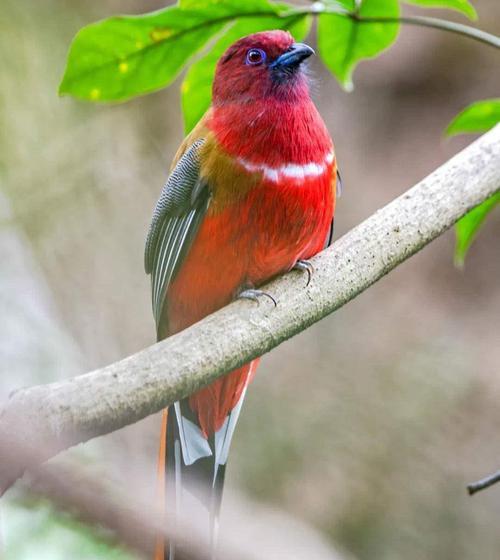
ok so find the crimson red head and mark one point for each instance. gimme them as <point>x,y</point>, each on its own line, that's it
<point>259,66</point>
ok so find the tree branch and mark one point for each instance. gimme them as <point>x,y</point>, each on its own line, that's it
<point>52,417</point>
<point>319,8</point>
<point>484,483</point>
<point>437,23</point>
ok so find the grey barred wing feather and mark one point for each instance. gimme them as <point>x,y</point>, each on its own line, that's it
<point>176,219</point>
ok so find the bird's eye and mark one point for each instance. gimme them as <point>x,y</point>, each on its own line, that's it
<point>255,56</point>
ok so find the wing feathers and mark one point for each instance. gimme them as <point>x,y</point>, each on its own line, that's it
<point>176,219</point>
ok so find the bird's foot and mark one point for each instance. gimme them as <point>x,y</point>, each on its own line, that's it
<point>305,266</point>
<point>254,295</point>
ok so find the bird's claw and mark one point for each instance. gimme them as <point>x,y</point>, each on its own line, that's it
<point>255,294</point>
<point>305,266</point>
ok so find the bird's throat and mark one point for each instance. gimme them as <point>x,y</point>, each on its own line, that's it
<point>273,132</point>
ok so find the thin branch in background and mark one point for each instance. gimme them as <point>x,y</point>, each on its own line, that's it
<point>436,23</point>
<point>101,504</point>
<point>318,8</point>
<point>484,483</point>
<point>97,502</point>
<point>130,519</point>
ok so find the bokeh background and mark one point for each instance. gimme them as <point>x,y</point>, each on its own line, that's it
<point>367,426</point>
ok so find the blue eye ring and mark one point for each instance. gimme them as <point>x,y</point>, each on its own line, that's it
<point>255,57</point>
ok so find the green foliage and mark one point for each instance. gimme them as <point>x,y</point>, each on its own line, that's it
<point>39,532</point>
<point>343,42</point>
<point>197,86</point>
<point>126,56</point>
<point>477,117</point>
<point>463,6</point>
<point>122,57</point>
<point>468,227</point>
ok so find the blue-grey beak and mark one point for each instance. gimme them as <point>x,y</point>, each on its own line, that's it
<point>293,57</point>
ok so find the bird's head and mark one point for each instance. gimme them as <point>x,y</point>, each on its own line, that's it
<point>263,65</point>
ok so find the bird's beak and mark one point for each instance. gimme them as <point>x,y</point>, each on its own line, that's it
<point>294,56</point>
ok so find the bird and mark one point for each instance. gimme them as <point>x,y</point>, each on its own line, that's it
<point>250,195</point>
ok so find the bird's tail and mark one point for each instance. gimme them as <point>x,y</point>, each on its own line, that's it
<point>195,439</point>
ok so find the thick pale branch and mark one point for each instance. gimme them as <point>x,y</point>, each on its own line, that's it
<point>55,416</point>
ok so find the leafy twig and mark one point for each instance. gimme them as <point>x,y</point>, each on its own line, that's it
<point>422,21</point>
<point>436,23</point>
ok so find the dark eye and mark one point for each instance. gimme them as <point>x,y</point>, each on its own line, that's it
<point>255,56</point>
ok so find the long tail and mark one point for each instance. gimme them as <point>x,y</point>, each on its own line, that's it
<point>193,459</point>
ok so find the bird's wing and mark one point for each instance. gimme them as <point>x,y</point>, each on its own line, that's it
<point>178,214</point>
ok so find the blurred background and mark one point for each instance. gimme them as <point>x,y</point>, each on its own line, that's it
<point>367,427</point>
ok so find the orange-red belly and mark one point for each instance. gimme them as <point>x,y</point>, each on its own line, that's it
<point>245,244</point>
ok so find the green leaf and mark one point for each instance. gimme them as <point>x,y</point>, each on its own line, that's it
<point>468,227</point>
<point>125,56</point>
<point>463,6</point>
<point>197,86</point>
<point>344,42</point>
<point>231,6</point>
<point>478,117</point>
